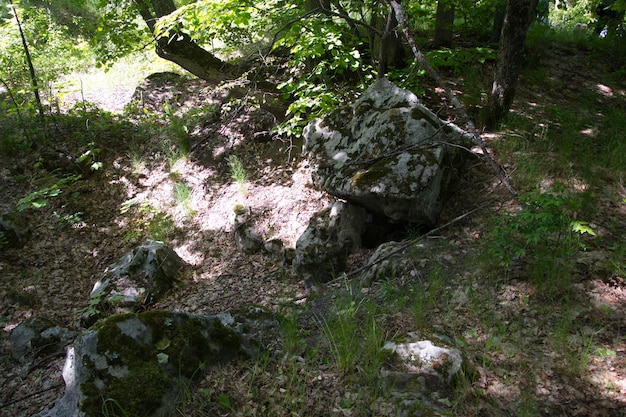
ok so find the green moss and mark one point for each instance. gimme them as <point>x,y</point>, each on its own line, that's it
<point>145,380</point>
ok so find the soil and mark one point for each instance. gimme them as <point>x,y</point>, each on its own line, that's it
<point>131,198</point>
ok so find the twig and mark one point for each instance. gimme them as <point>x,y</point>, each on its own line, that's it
<point>455,102</point>
<point>30,395</point>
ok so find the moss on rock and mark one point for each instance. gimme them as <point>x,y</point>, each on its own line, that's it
<point>139,360</point>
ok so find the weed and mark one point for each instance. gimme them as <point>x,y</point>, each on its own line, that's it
<point>90,157</point>
<point>3,240</point>
<point>354,336</point>
<point>181,193</point>
<point>238,172</point>
<point>111,408</point>
<point>427,296</point>
<point>39,198</point>
<point>543,233</point>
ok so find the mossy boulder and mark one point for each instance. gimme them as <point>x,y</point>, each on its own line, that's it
<point>140,361</point>
<point>387,153</point>
<point>424,379</point>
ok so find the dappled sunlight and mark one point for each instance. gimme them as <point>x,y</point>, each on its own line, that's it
<point>591,132</point>
<point>609,297</point>
<point>110,89</point>
<point>605,90</point>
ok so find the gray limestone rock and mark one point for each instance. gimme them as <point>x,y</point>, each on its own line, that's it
<point>387,153</point>
<point>424,382</point>
<point>140,278</point>
<point>332,234</point>
<point>39,336</point>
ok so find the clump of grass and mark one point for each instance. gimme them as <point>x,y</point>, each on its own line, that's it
<point>238,173</point>
<point>181,193</point>
<point>354,336</point>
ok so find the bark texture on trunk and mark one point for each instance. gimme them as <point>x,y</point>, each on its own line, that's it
<point>388,47</point>
<point>444,24</point>
<point>519,15</point>
<point>498,20</point>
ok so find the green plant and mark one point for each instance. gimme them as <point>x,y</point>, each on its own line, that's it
<point>458,59</point>
<point>238,172</point>
<point>3,240</point>
<point>68,220</point>
<point>39,198</point>
<point>354,336</point>
<point>90,157</point>
<point>112,408</point>
<point>427,295</point>
<point>543,233</point>
<point>181,193</point>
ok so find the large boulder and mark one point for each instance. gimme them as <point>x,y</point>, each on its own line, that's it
<point>386,152</point>
<point>139,363</point>
<point>388,261</point>
<point>140,278</point>
<point>332,234</point>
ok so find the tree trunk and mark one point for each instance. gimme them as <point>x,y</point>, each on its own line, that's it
<point>444,24</point>
<point>498,20</point>
<point>388,47</point>
<point>31,68</point>
<point>180,49</point>
<point>519,15</point>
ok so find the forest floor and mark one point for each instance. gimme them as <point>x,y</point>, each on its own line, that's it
<point>534,355</point>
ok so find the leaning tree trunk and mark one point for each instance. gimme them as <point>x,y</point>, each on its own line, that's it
<point>444,24</point>
<point>519,15</point>
<point>180,49</point>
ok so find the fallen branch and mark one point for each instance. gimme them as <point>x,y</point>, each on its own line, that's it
<point>475,136</point>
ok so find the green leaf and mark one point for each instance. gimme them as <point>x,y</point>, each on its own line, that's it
<point>346,403</point>
<point>604,352</point>
<point>582,228</point>
<point>224,401</point>
<point>163,343</point>
<point>163,358</point>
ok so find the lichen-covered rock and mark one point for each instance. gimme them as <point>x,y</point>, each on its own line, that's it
<point>14,230</point>
<point>389,260</point>
<point>386,152</point>
<point>39,336</point>
<point>247,238</point>
<point>332,234</point>
<point>140,278</point>
<point>424,383</point>
<point>141,361</point>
